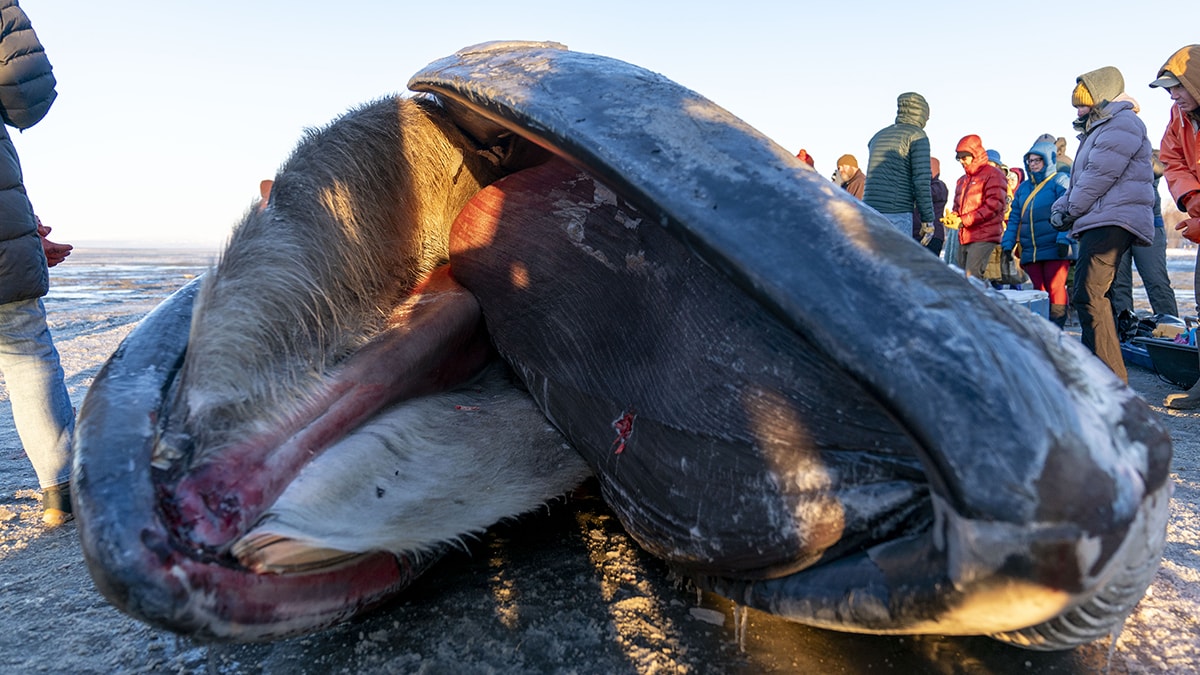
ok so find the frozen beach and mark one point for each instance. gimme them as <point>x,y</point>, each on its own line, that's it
<point>561,591</point>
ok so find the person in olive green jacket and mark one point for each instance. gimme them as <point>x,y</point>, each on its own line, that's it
<point>898,173</point>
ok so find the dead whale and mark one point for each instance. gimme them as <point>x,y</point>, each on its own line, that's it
<point>732,344</point>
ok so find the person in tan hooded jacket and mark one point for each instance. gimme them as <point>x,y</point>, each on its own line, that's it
<point>1180,155</point>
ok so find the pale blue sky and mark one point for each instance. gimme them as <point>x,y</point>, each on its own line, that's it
<point>170,112</point>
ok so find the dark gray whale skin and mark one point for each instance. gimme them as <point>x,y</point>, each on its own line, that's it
<point>806,452</point>
<point>1047,476</point>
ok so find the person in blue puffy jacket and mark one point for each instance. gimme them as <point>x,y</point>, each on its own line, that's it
<point>1045,252</point>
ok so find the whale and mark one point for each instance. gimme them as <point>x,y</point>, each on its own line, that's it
<point>453,306</point>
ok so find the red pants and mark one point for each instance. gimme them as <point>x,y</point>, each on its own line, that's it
<point>1050,276</point>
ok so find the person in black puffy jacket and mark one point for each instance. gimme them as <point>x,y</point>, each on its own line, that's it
<point>41,407</point>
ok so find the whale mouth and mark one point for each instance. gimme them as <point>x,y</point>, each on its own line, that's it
<point>218,496</point>
<point>787,433</point>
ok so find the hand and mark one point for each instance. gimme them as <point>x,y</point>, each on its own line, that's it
<point>926,234</point>
<point>1064,251</point>
<point>1061,221</point>
<point>55,253</point>
<point>1006,253</point>
<point>952,221</point>
<point>1190,229</point>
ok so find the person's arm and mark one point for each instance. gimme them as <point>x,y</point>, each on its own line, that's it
<point>1114,148</point>
<point>1183,180</point>
<point>27,84</point>
<point>922,176</point>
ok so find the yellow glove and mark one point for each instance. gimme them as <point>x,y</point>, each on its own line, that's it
<point>952,221</point>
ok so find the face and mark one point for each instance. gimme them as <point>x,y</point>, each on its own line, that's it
<point>1082,110</point>
<point>1035,163</point>
<point>1184,100</point>
<point>846,171</point>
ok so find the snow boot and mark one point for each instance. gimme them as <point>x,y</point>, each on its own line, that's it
<point>56,505</point>
<point>1184,400</point>
<point>1058,315</point>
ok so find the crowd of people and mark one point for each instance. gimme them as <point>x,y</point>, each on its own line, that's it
<point>1074,228</point>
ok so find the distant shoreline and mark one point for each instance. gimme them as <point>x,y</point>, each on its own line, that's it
<point>111,253</point>
<point>110,245</point>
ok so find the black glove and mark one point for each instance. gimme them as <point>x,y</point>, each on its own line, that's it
<point>1061,221</point>
<point>1064,251</point>
<point>1006,254</point>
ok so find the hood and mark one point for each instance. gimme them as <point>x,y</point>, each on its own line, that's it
<point>974,145</point>
<point>912,108</point>
<point>1104,84</point>
<point>1049,155</point>
<point>1185,66</point>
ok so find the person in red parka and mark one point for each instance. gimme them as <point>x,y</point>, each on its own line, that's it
<point>979,199</point>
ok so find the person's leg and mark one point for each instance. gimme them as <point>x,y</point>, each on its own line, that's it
<point>1055,276</point>
<point>1054,273</point>
<point>1122,286</point>
<point>42,409</point>
<point>1100,251</point>
<point>975,257</point>
<point>1151,262</point>
<point>1190,399</point>
<point>1035,271</point>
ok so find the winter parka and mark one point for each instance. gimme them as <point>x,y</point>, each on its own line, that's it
<point>980,195</point>
<point>1112,179</point>
<point>1180,149</point>
<point>26,93</point>
<point>1029,221</point>
<point>898,170</point>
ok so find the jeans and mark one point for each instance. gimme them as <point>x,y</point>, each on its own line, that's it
<point>33,376</point>
<point>1151,264</point>
<point>901,221</point>
<point>1100,251</point>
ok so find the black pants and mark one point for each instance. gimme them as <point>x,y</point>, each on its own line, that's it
<point>1100,251</point>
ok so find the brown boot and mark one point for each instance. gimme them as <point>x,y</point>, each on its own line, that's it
<point>56,505</point>
<point>1185,400</point>
<point>1058,315</point>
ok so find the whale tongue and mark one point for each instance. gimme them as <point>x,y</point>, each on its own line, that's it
<point>434,341</point>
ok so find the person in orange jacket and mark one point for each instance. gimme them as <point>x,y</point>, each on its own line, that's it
<point>1180,155</point>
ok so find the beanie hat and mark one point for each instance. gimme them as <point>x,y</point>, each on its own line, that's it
<point>1081,96</point>
<point>847,160</point>
<point>1098,87</point>
<point>935,166</point>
